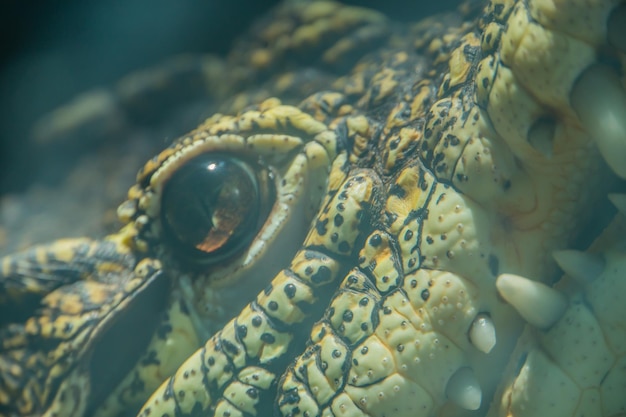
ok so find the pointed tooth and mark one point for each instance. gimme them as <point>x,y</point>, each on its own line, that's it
<point>482,333</point>
<point>600,101</point>
<point>464,389</point>
<point>582,266</point>
<point>616,32</point>
<point>538,304</point>
<point>619,201</point>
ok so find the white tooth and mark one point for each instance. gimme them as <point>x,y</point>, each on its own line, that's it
<point>482,333</point>
<point>464,390</point>
<point>616,32</point>
<point>582,266</point>
<point>619,201</point>
<point>538,304</point>
<point>600,101</point>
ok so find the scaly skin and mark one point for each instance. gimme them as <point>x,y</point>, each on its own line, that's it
<point>433,168</point>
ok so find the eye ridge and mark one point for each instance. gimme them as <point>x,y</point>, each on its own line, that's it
<point>213,206</point>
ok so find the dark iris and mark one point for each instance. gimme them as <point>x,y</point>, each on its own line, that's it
<point>212,207</point>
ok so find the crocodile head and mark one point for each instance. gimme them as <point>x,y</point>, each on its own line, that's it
<point>373,247</point>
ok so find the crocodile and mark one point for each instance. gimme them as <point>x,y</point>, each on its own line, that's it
<point>375,221</point>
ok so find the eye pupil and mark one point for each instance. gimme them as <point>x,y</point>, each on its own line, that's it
<point>210,207</point>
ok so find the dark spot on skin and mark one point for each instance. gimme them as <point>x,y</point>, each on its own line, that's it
<point>344,246</point>
<point>290,397</point>
<point>425,294</point>
<point>321,227</point>
<point>211,361</point>
<point>386,310</point>
<point>408,235</point>
<point>364,327</point>
<point>400,347</point>
<point>338,220</point>
<point>376,240</point>
<point>252,393</point>
<point>341,207</point>
<point>411,262</point>
<point>336,354</point>
<point>308,270</point>
<point>443,236</point>
<point>268,338</point>
<point>429,240</point>
<point>164,330</point>
<point>323,274</point>
<point>242,331</point>
<point>331,312</point>
<point>352,279</point>
<point>494,265</point>
<point>322,333</point>
<point>364,350</point>
<point>397,191</point>
<point>453,140</point>
<point>150,359</point>
<point>290,290</point>
<point>257,321</point>
<point>364,301</point>
<point>348,316</point>
<point>413,283</point>
<point>355,362</point>
<point>272,305</point>
<point>334,237</point>
<point>268,289</point>
<point>230,347</point>
<point>393,145</point>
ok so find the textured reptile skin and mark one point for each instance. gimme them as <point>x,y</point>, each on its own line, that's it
<point>381,243</point>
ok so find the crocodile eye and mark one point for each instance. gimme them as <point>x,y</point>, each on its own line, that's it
<point>213,205</point>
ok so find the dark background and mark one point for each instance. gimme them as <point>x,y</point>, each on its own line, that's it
<point>52,51</point>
